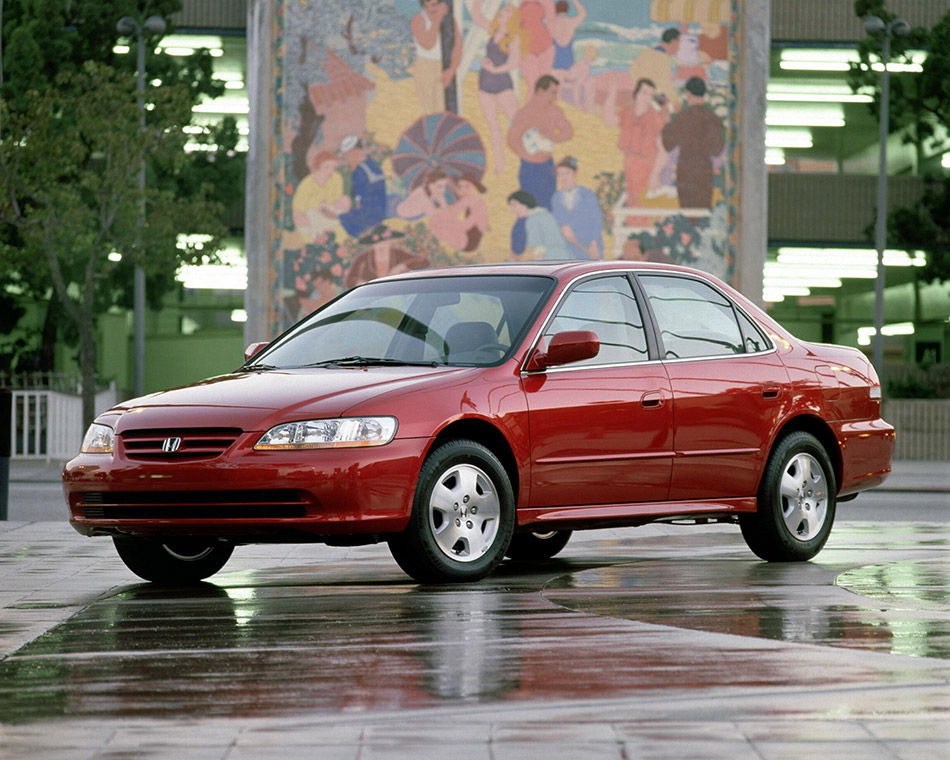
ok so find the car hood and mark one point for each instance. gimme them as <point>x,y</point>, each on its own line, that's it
<point>259,400</point>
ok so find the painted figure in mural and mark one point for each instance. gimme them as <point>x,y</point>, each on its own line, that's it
<point>543,238</point>
<point>536,128</point>
<point>641,124</point>
<point>320,199</point>
<point>578,86</point>
<point>431,75</point>
<point>578,213</point>
<point>538,59</point>
<point>471,211</point>
<point>563,29</point>
<point>657,63</point>
<point>697,132</point>
<point>690,60</point>
<point>496,92</point>
<point>368,195</point>
<point>313,290</point>
<point>383,257</point>
<point>444,221</point>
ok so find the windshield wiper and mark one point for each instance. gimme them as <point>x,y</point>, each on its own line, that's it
<point>258,367</point>
<point>367,361</point>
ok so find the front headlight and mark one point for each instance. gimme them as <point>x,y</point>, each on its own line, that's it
<point>99,439</point>
<point>328,434</point>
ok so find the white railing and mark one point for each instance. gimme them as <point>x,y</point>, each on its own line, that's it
<point>923,428</point>
<point>48,425</point>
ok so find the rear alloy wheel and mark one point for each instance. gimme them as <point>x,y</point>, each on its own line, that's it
<point>796,502</point>
<point>462,516</point>
<point>173,561</point>
<point>537,546</point>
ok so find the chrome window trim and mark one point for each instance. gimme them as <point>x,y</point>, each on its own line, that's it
<point>628,271</point>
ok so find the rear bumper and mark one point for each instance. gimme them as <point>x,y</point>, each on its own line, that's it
<point>867,448</point>
<point>247,495</point>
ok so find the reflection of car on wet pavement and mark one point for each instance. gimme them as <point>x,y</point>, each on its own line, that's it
<point>467,414</point>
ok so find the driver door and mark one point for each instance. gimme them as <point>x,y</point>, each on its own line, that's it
<point>602,428</point>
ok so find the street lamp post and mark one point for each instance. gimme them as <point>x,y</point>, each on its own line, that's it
<point>896,28</point>
<point>128,26</point>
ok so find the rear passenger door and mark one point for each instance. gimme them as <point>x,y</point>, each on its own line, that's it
<point>729,387</point>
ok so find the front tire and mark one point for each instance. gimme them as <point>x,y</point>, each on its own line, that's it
<point>538,546</point>
<point>796,502</point>
<point>173,561</point>
<point>462,516</point>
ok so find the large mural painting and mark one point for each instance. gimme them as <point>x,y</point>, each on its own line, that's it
<point>418,133</point>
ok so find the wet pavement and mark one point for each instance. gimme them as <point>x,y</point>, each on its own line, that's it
<point>656,642</point>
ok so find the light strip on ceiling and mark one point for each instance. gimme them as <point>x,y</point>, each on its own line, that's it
<point>791,137</point>
<point>807,59</point>
<point>815,92</point>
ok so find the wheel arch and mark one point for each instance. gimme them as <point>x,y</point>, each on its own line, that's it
<point>820,429</point>
<point>489,436</point>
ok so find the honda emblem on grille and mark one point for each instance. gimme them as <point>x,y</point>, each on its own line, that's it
<point>170,445</point>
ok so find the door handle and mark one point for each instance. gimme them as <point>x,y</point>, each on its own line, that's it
<point>771,391</point>
<point>652,400</point>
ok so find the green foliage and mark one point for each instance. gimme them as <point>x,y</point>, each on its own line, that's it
<point>910,388</point>
<point>920,106</point>
<point>69,191</point>
<point>49,42</point>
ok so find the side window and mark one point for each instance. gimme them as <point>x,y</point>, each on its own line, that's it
<point>694,318</point>
<point>607,307</point>
<point>752,336</point>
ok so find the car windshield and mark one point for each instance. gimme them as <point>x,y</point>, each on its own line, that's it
<point>474,320</point>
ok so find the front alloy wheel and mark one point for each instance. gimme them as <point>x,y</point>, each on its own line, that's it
<point>462,516</point>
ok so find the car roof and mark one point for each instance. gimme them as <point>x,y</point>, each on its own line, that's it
<point>562,270</point>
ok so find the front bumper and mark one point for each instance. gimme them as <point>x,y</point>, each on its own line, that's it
<point>246,495</point>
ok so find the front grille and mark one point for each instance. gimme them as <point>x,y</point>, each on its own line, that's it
<point>174,445</point>
<point>193,505</point>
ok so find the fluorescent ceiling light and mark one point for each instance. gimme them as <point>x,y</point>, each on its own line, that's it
<point>865,334</point>
<point>807,59</point>
<point>238,315</point>
<point>231,105</point>
<point>800,280</point>
<point>849,257</point>
<point>805,115</point>
<point>788,138</point>
<point>193,41</point>
<point>815,92</point>
<point>774,156</point>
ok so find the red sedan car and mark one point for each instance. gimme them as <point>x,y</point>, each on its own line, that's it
<point>467,414</point>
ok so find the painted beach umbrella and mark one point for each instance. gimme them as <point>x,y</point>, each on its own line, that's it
<point>440,140</point>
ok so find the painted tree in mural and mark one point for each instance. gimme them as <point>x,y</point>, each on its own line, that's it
<point>920,110</point>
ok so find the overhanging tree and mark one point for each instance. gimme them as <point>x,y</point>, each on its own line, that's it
<point>920,111</point>
<point>69,162</point>
<point>45,39</point>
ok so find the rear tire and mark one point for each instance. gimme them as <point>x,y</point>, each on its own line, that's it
<point>173,561</point>
<point>538,546</point>
<point>462,516</point>
<point>796,502</point>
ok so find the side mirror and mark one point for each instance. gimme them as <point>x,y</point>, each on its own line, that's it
<point>254,349</point>
<point>565,348</point>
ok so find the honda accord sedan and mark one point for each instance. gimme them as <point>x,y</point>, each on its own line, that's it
<point>467,414</point>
